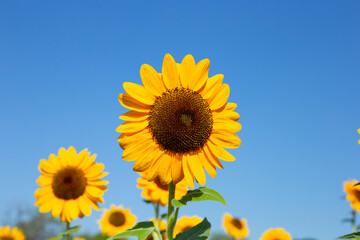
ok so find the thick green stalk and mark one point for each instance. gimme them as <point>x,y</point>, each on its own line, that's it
<point>171,215</point>
<point>353,221</point>
<point>67,229</point>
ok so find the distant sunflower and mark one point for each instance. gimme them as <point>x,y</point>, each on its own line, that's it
<point>156,192</point>
<point>6,233</point>
<point>186,223</point>
<point>179,123</point>
<point>78,238</point>
<point>162,227</point>
<point>353,194</point>
<point>235,227</point>
<point>275,234</point>
<point>359,133</point>
<point>116,220</point>
<point>71,184</point>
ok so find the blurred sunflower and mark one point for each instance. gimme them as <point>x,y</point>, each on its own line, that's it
<point>71,184</point>
<point>162,227</point>
<point>235,227</point>
<point>116,220</point>
<point>179,123</point>
<point>359,133</point>
<point>275,234</point>
<point>353,194</point>
<point>158,193</point>
<point>6,233</point>
<point>186,223</point>
<point>79,238</point>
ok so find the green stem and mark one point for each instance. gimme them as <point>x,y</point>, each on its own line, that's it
<point>157,219</point>
<point>353,221</point>
<point>171,215</point>
<point>67,229</point>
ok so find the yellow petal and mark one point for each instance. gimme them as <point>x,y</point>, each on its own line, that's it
<point>44,180</point>
<point>139,92</point>
<point>226,115</point>
<point>219,97</point>
<point>84,206</point>
<point>197,168</point>
<point>134,116</point>
<point>225,124</point>
<point>225,139</point>
<point>43,191</point>
<point>47,205</point>
<point>58,208</point>
<point>46,167</point>
<point>186,69</point>
<point>73,208</point>
<point>220,152</point>
<point>164,169</point>
<point>153,172</point>
<point>94,191</point>
<point>209,167</point>
<point>151,80</point>
<point>211,85</point>
<point>170,73</point>
<point>187,174</point>
<point>125,139</point>
<point>211,156</point>
<point>230,106</point>
<point>177,173</point>
<point>131,103</point>
<point>200,75</point>
<point>132,152</point>
<point>128,127</point>
<point>145,159</point>
<point>94,170</point>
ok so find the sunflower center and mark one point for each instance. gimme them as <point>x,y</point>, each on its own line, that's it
<point>117,219</point>
<point>159,185</point>
<point>357,194</point>
<point>237,223</point>
<point>69,183</point>
<point>180,120</point>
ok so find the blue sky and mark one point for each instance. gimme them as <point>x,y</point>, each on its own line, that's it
<point>293,70</point>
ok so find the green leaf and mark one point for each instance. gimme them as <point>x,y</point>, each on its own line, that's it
<point>357,184</point>
<point>140,230</point>
<point>71,230</point>
<point>197,195</point>
<point>355,235</point>
<point>199,232</point>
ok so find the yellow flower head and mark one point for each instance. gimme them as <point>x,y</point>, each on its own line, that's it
<point>186,223</point>
<point>275,234</point>
<point>179,123</point>
<point>79,238</point>
<point>235,227</point>
<point>353,194</point>
<point>155,192</point>
<point>162,227</point>
<point>71,184</point>
<point>116,220</point>
<point>7,233</point>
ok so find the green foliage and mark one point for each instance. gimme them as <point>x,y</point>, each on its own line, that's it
<point>197,195</point>
<point>355,235</point>
<point>70,231</point>
<point>199,232</point>
<point>140,230</point>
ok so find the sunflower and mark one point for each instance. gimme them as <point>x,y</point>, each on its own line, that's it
<point>275,234</point>
<point>353,194</point>
<point>78,238</point>
<point>158,193</point>
<point>116,220</point>
<point>71,184</point>
<point>186,223</point>
<point>6,233</point>
<point>235,227</point>
<point>179,122</point>
<point>162,227</point>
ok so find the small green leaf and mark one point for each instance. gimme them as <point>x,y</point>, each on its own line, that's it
<point>357,184</point>
<point>197,195</point>
<point>199,232</point>
<point>71,230</point>
<point>140,230</point>
<point>350,236</point>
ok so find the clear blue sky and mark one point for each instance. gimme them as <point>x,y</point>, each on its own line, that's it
<point>293,69</point>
